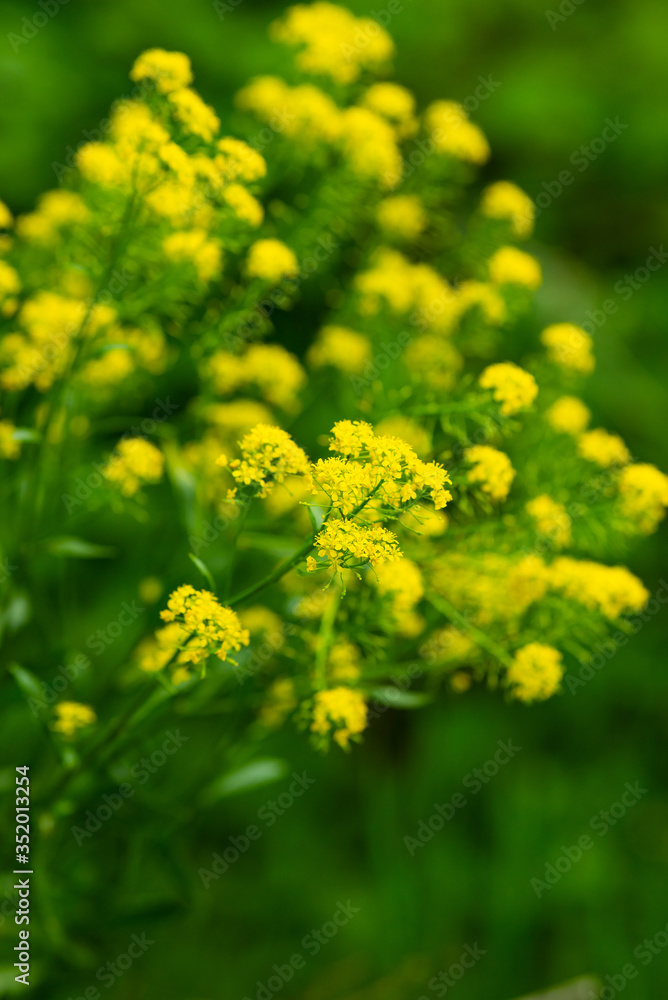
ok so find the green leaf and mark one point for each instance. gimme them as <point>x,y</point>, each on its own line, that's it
<point>71,547</point>
<point>27,682</point>
<point>396,698</point>
<point>263,771</point>
<point>204,570</point>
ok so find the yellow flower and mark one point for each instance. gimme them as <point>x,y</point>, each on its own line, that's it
<point>270,260</point>
<point>237,417</point>
<point>492,469</point>
<point>72,715</point>
<point>99,163</point>
<point>408,430</point>
<point>274,371</point>
<point>602,448</point>
<point>6,217</point>
<point>344,544</point>
<point>10,283</point>
<point>514,388</point>
<point>402,215</point>
<point>643,491</point>
<point>306,112</point>
<point>333,42</point>
<point>341,708</point>
<point>393,102</point>
<point>281,700</point>
<point>243,204</point>
<point>536,672</point>
<point>191,111</point>
<point>170,70</point>
<point>239,161</point>
<point>569,347</point>
<point>612,590</point>
<point>568,415</point>
<point>446,645</point>
<point>258,620</point>
<point>370,147</point>
<point>268,455</point>
<point>158,650</point>
<point>340,348</point>
<point>551,519</point>
<point>393,280</point>
<point>195,247</point>
<point>211,628</point>
<point>343,661</point>
<point>453,134</point>
<point>9,446</point>
<point>134,462</point>
<point>504,200</point>
<point>510,266</point>
<point>434,361</point>
<point>402,581</point>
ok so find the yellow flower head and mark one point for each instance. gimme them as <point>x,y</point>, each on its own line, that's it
<point>9,446</point>
<point>535,673</point>
<point>134,462</point>
<point>514,388</point>
<point>510,266</point>
<point>270,260</point>
<point>490,468</point>
<point>6,217</point>
<point>332,41</point>
<point>402,216</point>
<point>602,448</point>
<point>551,519</point>
<point>370,146</point>
<point>99,163</point>
<point>209,627</point>
<point>268,455</point>
<point>169,70</point>
<point>344,544</point>
<point>612,590</point>
<point>340,348</point>
<point>394,103</point>
<point>72,715</point>
<point>643,492</point>
<point>271,369</point>
<point>341,708</point>
<point>238,161</point>
<point>195,247</point>
<point>504,200</point>
<point>569,347</point>
<point>434,361</point>
<point>243,204</point>
<point>453,134</point>
<point>193,114</point>
<point>568,415</point>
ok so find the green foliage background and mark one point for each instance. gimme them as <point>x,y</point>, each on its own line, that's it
<point>344,839</point>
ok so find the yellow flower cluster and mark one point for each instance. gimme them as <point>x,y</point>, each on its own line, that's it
<point>402,216</point>
<point>10,447</point>
<point>332,41</point>
<point>281,701</point>
<point>402,286</point>
<point>602,448</point>
<point>612,590</point>
<point>268,455</point>
<point>134,462</point>
<point>307,113</point>
<point>402,582</point>
<point>170,70</point>
<point>569,415</point>
<point>433,361</point>
<point>269,368</point>
<point>514,388</point>
<point>643,492</point>
<point>343,661</point>
<point>535,673</point>
<point>449,128</point>
<point>489,586</point>
<point>195,247</point>
<point>504,200</point>
<point>447,645</point>
<point>490,468</point>
<point>342,708</point>
<point>369,146</point>
<point>510,266</point>
<point>340,348</point>
<point>71,716</point>
<point>345,544</point>
<point>395,103</point>
<point>390,469</point>
<point>551,519</point>
<point>271,261</point>
<point>210,627</point>
<point>238,161</point>
<point>569,347</point>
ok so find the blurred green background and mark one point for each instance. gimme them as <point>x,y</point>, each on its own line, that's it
<point>559,79</point>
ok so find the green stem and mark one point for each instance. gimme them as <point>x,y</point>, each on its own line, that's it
<point>479,637</point>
